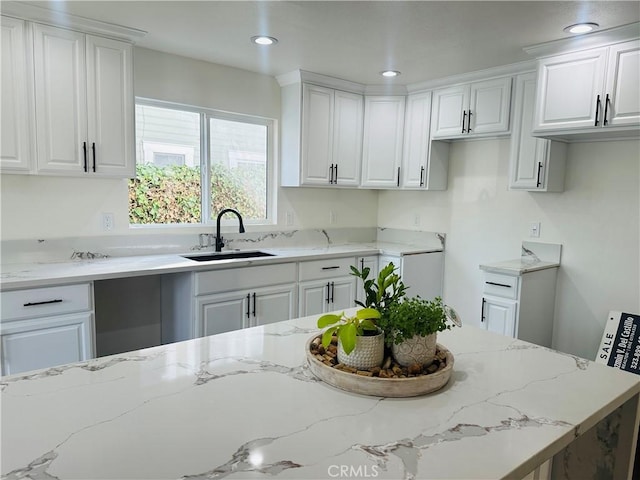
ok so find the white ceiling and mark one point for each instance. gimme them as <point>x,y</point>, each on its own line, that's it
<point>353,40</point>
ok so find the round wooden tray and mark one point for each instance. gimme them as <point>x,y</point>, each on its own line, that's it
<point>381,387</point>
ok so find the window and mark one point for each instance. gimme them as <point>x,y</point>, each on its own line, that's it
<point>192,163</point>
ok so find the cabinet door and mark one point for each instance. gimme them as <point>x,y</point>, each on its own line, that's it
<point>313,297</point>
<point>347,137</point>
<point>46,342</point>
<point>415,154</point>
<point>343,292</point>
<point>382,147</point>
<point>222,313</point>
<point>273,304</point>
<point>60,95</point>
<point>568,90</point>
<point>499,316</point>
<point>317,134</point>
<point>535,164</point>
<point>110,107</point>
<point>489,106</point>
<point>623,78</point>
<point>16,146</point>
<point>449,109</point>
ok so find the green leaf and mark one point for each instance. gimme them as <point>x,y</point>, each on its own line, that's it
<point>367,313</point>
<point>328,319</point>
<point>326,336</point>
<point>368,325</point>
<point>347,336</point>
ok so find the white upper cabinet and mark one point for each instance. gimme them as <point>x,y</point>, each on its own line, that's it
<point>84,104</point>
<point>589,90</point>
<point>383,137</point>
<point>16,147</point>
<point>415,154</point>
<point>536,164</point>
<point>328,123</point>
<point>473,109</point>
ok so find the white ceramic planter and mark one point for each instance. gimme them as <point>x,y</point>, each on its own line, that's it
<point>368,352</point>
<point>418,349</point>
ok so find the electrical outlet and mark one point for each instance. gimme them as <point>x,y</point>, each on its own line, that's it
<point>333,217</point>
<point>534,229</point>
<point>289,218</point>
<point>107,221</point>
<point>416,219</point>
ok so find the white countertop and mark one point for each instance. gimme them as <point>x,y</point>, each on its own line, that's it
<point>517,266</point>
<point>244,405</point>
<point>27,275</point>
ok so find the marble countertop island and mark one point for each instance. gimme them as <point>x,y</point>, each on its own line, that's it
<point>243,405</point>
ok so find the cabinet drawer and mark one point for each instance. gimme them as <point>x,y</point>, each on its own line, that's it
<point>38,302</point>
<point>332,268</point>
<point>501,285</point>
<point>217,281</point>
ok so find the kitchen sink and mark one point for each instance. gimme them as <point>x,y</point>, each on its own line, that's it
<point>227,256</point>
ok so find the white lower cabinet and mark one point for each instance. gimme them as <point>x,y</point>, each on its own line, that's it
<point>520,305</point>
<point>326,285</point>
<point>197,304</point>
<point>45,327</point>
<point>232,311</point>
<point>371,262</point>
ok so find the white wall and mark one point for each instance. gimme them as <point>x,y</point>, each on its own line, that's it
<point>596,219</point>
<point>54,207</point>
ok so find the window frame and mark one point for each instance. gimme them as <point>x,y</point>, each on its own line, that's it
<point>205,162</point>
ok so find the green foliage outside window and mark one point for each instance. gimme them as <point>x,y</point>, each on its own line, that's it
<point>163,195</point>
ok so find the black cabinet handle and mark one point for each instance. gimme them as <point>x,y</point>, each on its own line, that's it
<point>597,110</point>
<point>606,109</point>
<point>398,182</point>
<point>361,264</point>
<point>93,148</point>
<point>335,267</point>
<point>328,287</point>
<point>422,176</point>
<point>538,183</point>
<point>464,118</point>
<point>331,174</point>
<point>498,284</point>
<point>248,305</point>
<point>333,290</point>
<point>335,174</point>
<point>84,151</point>
<point>482,312</point>
<point>253,312</point>
<point>469,122</point>
<point>46,302</point>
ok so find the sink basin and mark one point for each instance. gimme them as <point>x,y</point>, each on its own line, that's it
<point>209,257</point>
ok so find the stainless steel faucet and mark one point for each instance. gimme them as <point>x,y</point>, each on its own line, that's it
<point>219,239</point>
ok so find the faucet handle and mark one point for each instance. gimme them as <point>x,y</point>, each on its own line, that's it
<point>219,244</point>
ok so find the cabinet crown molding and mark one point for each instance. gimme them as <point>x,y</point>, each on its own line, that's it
<point>303,76</point>
<point>73,22</point>
<point>600,38</point>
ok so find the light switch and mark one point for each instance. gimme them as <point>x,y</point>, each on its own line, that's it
<point>534,230</point>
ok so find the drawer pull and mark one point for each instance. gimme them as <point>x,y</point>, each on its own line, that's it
<point>331,268</point>
<point>498,284</point>
<point>33,304</point>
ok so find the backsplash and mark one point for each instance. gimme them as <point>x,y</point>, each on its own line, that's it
<point>83,248</point>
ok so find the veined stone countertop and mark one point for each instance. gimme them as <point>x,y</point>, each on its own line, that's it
<point>26,275</point>
<point>245,405</point>
<point>517,267</point>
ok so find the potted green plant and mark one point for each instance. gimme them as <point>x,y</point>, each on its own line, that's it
<point>411,329</point>
<point>360,341</point>
<point>380,292</point>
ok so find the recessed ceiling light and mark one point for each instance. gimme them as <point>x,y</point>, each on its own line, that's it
<point>581,27</point>
<point>264,40</point>
<point>390,73</point>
